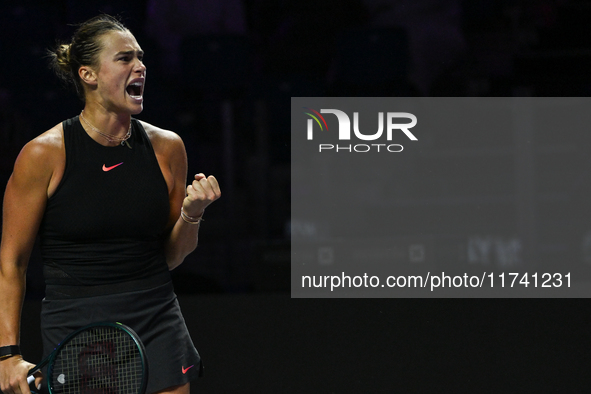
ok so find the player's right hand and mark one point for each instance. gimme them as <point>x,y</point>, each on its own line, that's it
<point>13,376</point>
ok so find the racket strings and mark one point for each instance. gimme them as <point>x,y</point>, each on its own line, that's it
<point>100,360</point>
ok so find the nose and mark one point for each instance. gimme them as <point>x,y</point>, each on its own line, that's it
<point>140,67</point>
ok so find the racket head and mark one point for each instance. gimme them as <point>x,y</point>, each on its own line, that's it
<point>105,358</point>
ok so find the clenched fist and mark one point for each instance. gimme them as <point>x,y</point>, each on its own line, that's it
<point>200,193</point>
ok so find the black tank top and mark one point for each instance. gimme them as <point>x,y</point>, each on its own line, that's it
<point>106,222</point>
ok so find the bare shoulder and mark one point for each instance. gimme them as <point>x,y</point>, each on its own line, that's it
<point>41,163</point>
<point>162,140</point>
<point>47,148</point>
<point>170,153</point>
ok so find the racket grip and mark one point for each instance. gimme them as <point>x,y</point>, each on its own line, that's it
<point>30,379</point>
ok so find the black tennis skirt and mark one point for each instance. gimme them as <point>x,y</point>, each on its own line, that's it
<point>154,314</point>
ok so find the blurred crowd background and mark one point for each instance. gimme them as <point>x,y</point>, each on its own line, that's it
<point>221,74</point>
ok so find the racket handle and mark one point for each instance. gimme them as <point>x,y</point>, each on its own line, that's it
<point>32,371</point>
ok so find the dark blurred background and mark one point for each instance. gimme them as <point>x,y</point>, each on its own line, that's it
<point>221,74</point>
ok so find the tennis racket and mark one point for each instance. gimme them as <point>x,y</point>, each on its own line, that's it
<point>101,358</point>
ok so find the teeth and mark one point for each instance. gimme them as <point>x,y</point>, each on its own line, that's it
<point>137,84</point>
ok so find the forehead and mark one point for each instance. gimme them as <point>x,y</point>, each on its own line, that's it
<point>118,41</point>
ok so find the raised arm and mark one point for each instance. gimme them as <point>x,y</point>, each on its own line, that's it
<point>194,198</point>
<point>26,194</point>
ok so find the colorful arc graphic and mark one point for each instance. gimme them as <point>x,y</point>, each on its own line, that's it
<point>316,119</point>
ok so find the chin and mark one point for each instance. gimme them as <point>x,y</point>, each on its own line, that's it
<point>137,111</point>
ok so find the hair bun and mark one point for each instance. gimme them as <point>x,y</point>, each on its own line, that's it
<point>63,57</point>
<point>83,50</point>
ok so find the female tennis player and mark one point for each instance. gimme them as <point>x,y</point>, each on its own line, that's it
<point>107,194</point>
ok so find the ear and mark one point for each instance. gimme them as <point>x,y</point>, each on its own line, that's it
<point>87,75</point>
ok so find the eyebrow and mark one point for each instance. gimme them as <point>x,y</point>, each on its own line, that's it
<point>140,52</point>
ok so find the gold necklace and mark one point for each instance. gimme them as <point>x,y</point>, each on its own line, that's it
<point>109,137</point>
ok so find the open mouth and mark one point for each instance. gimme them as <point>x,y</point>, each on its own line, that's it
<point>135,89</point>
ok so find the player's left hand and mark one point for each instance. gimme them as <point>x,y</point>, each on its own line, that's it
<point>200,193</point>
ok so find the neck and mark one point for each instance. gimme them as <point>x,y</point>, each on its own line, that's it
<point>115,124</point>
<point>107,128</point>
